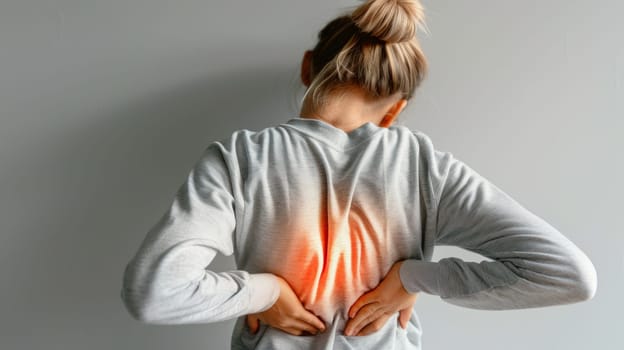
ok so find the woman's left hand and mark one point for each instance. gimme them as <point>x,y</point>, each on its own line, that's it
<point>371,311</point>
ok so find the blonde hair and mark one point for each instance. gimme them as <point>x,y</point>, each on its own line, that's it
<point>373,47</point>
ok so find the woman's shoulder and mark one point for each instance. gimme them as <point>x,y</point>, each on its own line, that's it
<point>416,134</point>
<point>428,149</point>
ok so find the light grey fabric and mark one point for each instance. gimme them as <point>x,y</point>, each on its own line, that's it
<point>330,212</point>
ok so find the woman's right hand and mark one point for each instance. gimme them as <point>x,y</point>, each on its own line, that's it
<point>287,314</point>
<point>371,311</point>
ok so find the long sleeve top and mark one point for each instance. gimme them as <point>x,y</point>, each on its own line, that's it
<point>330,212</point>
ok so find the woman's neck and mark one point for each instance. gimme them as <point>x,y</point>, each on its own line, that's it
<point>349,110</point>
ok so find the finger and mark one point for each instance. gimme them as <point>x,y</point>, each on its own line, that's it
<point>313,320</point>
<point>253,323</point>
<point>365,315</point>
<point>364,299</point>
<point>404,316</point>
<point>292,330</point>
<point>304,326</point>
<point>374,326</point>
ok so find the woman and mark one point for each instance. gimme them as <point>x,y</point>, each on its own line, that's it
<point>333,215</point>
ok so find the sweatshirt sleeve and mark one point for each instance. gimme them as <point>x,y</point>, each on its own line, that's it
<point>533,264</point>
<point>168,281</point>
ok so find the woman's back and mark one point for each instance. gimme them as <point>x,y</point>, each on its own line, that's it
<point>330,212</point>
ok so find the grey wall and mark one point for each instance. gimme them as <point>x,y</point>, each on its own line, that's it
<point>106,105</point>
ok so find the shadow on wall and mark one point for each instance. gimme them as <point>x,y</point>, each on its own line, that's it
<point>98,189</point>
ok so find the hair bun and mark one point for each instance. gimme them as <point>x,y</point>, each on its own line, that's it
<point>392,21</point>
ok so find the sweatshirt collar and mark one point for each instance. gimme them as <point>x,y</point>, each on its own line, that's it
<point>332,135</point>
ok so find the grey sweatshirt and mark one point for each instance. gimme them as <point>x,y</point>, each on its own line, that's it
<point>331,212</point>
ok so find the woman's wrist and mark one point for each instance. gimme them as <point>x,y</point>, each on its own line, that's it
<point>265,289</point>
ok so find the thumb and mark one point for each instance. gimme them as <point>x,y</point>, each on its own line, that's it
<point>361,302</point>
<point>404,316</point>
<point>253,323</point>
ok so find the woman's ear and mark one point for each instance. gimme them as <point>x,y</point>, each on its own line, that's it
<point>392,113</point>
<point>305,67</point>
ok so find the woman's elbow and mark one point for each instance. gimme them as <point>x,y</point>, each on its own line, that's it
<point>586,279</point>
<point>141,309</point>
<point>134,296</point>
<point>137,306</point>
